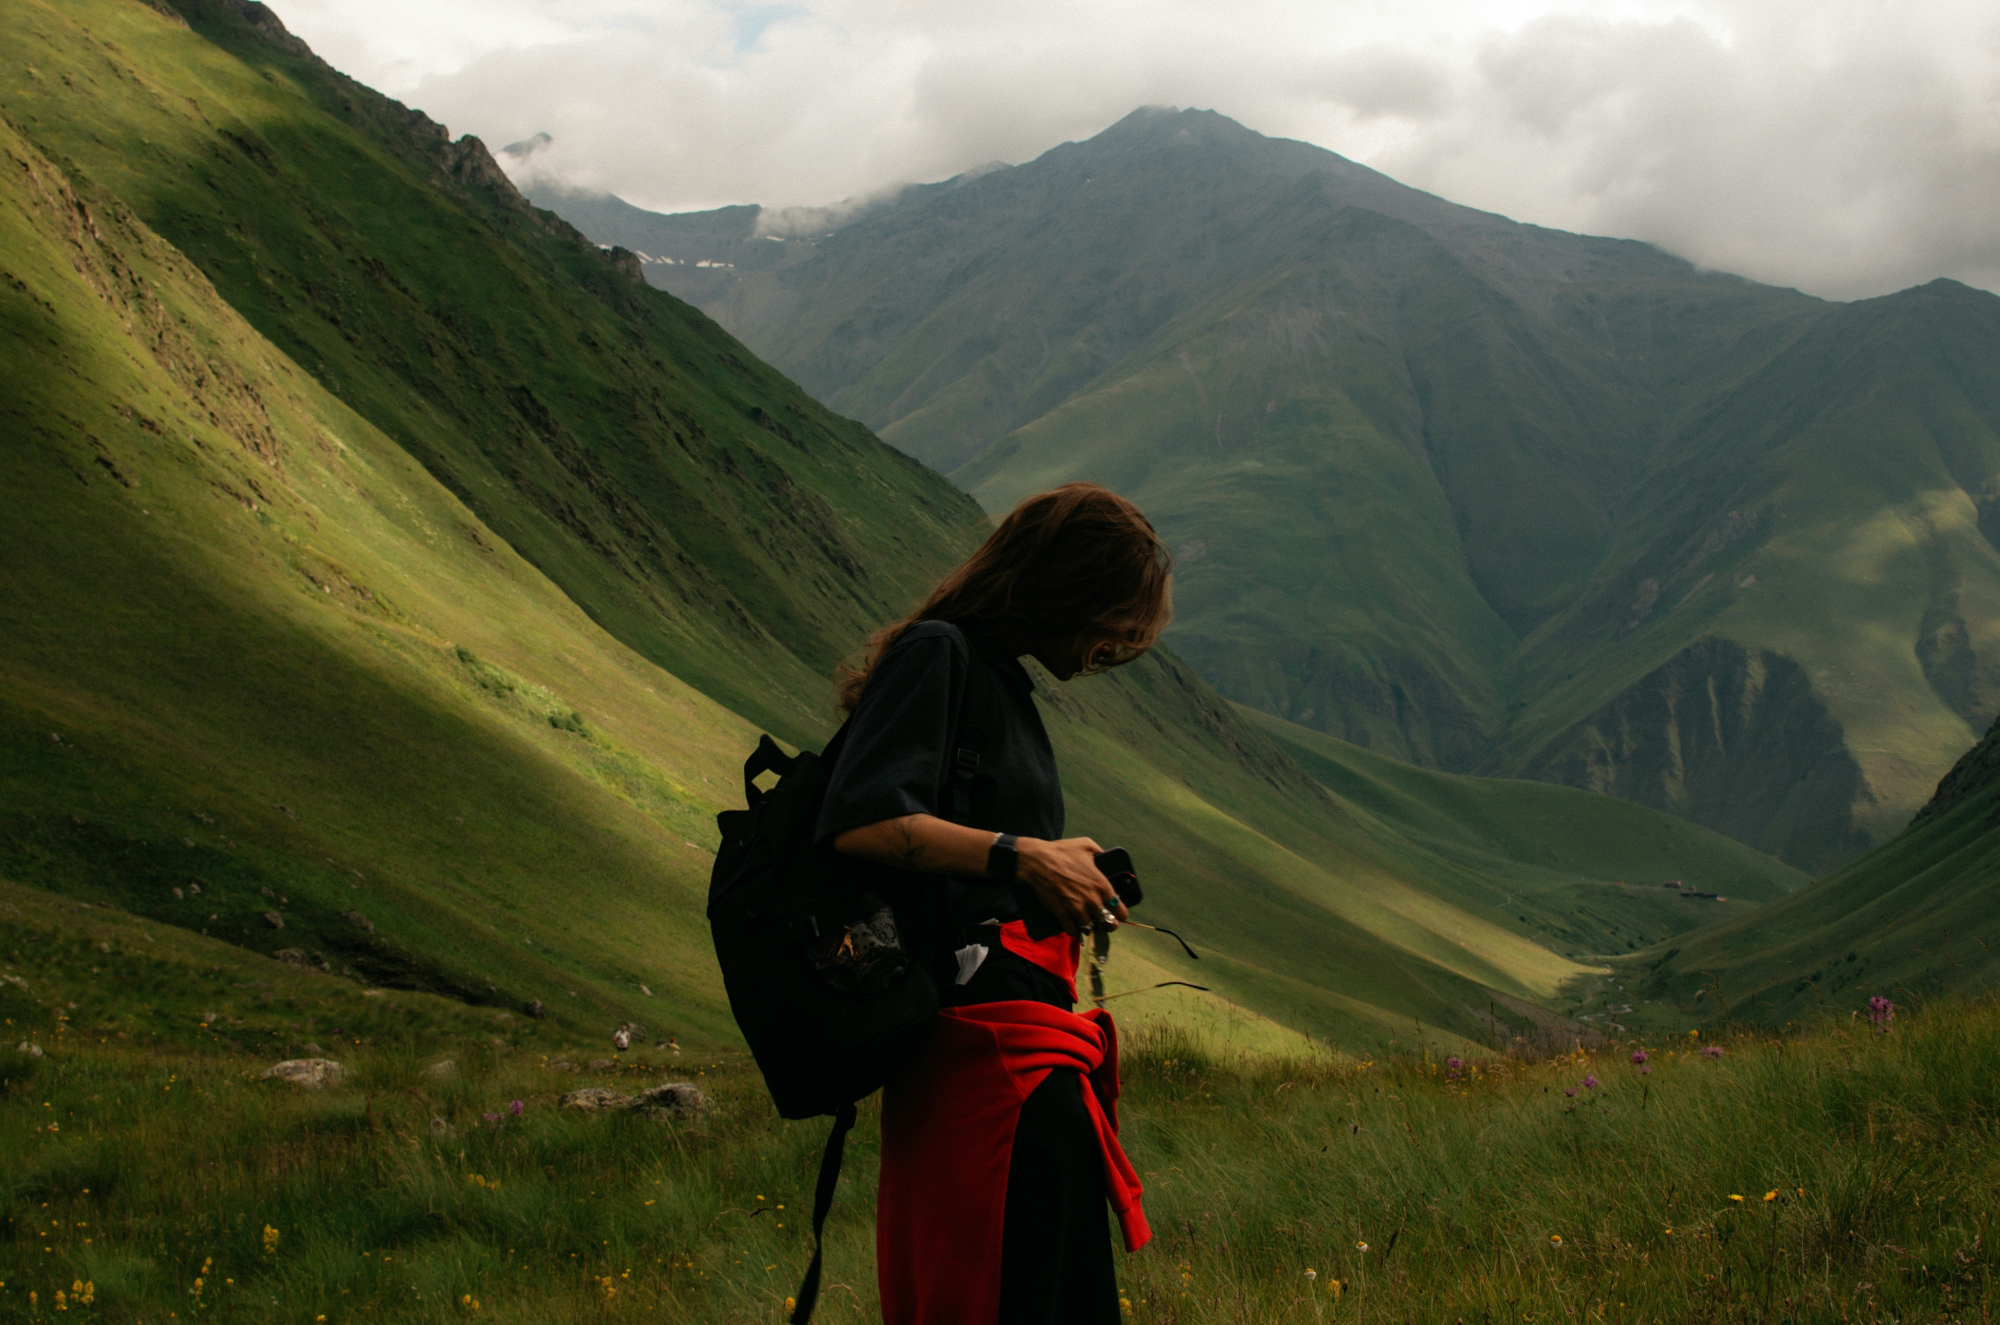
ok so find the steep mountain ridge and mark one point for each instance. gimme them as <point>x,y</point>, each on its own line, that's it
<point>1472,493</point>
<point>689,498</point>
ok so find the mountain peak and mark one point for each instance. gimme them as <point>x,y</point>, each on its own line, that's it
<point>1182,126</point>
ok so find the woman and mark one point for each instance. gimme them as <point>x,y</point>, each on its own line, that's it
<point>999,1145</point>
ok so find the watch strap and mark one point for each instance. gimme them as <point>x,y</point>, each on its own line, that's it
<point>1002,859</point>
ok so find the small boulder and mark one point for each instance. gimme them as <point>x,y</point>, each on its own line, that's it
<point>441,1129</point>
<point>359,921</point>
<point>312,1073</point>
<point>596,1099</point>
<point>442,1071</point>
<point>599,1064</point>
<point>676,1099</point>
<point>535,1008</point>
<point>274,920</point>
<point>292,956</point>
<point>29,1048</point>
<point>313,1051</point>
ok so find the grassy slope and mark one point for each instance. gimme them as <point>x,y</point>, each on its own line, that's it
<point>1913,918</point>
<point>142,1162</point>
<point>694,502</point>
<point>251,646</point>
<point>1471,493</point>
<point>1581,872</point>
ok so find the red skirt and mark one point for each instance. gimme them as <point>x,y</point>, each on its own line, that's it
<point>948,1135</point>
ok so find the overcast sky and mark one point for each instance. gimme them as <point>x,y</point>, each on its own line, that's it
<point>1848,147</point>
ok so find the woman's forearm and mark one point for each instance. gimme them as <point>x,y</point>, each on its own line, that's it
<point>1063,874</point>
<point>919,842</point>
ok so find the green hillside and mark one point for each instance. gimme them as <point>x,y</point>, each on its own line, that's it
<point>1589,873</point>
<point>693,502</point>
<point>1478,495</point>
<point>1914,918</point>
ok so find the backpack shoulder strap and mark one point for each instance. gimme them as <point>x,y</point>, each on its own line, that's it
<point>973,729</point>
<point>829,1176</point>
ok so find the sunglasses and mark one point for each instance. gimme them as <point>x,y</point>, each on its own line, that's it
<point>1100,957</point>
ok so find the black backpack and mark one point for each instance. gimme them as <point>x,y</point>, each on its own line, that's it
<point>826,975</point>
<point>821,983</point>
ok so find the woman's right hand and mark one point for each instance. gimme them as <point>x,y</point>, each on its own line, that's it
<point>1065,876</point>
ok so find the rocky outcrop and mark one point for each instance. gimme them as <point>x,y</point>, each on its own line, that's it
<point>1731,738</point>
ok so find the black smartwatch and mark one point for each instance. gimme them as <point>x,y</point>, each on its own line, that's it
<point>1002,858</point>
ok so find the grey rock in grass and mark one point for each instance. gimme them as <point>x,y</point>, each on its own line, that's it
<point>600,1064</point>
<point>675,1099</point>
<point>29,1048</point>
<point>441,1129</point>
<point>535,1008</point>
<point>312,1051</point>
<point>312,1073</point>
<point>359,921</point>
<point>274,920</point>
<point>442,1070</point>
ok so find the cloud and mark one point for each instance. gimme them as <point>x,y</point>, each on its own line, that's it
<point>1849,148</point>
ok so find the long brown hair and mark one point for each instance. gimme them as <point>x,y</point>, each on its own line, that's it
<point>1075,565</point>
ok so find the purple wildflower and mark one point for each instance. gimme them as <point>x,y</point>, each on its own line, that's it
<point>1881,1013</point>
<point>1453,1066</point>
<point>1570,1091</point>
<point>1711,1051</point>
<point>517,1108</point>
<point>1638,1057</point>
<point>493,1118</point>
<point>1590,1081</point>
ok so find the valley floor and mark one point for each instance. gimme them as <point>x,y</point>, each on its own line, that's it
<point>156,1176</point>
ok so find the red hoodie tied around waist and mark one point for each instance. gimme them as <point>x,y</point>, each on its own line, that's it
<point>948,1135</point>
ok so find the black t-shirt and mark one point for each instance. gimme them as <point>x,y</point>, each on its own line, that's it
<point>937,690</point>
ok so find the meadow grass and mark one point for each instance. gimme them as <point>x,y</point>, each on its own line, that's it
<point>177,1184</point>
